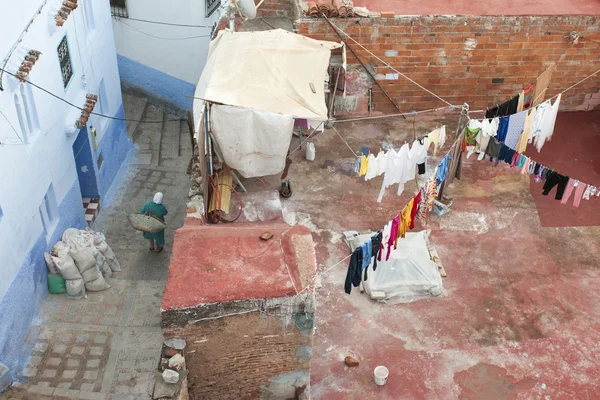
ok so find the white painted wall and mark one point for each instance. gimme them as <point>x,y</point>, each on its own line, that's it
<point>174,50</point>
<point>26,171</point>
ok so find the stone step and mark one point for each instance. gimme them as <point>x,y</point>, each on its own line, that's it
<point>147,136</point>
<point>185,144</point>
<point>135,108</point>
<point>169,145</point>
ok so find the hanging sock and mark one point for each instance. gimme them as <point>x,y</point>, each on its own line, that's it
<point>589,191</point>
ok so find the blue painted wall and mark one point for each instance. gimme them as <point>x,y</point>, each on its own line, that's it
<point>169,91</point>
<point>21,303</point>
<point>114,147</point>
<point>84,162</point>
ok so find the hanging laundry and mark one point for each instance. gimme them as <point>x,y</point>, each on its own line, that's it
<point>589,191</point>
<point>516,125</point>
<point>522,143</point>
<point>372,167</point>
<point>502,129</point>
<point>556,179</point>
<point>367,254</point>
<point>527,99</point>
<point>415,210</point>
<point>353,276</point>
<point>509,107</point>
<point>442,169</point>
<point>357,166</point>
<point>521,102</point>
<point>393,234</point>
<point>405,221</point>
<point>547,125</point>
<point>525,169</point>
<point>376,248</point>
<point>472,130</point>
<point>493,150</point>
<point>438,138</point>
<point>521,162</point>
<point>364,165</point>
<point>430,196</point>
<point>455,165</point>
<point>489,128</point>
<point>574,186</point>
<point>418,153</point>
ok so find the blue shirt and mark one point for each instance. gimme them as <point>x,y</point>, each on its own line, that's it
<point>502,129</point>
<point>366,253</point>
<point>442,170</point>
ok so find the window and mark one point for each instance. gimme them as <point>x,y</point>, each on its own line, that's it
<point>27,113</point>
<point>64,58</point>
<point>211,6</point>
<point>118,8</point>
<point>49,211</point>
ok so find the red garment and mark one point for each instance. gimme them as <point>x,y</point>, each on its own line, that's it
<point>515,159</point>
<point>415,210</point>
<point>393,234</point>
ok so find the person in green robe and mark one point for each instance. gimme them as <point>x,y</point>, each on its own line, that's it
<point>158,210</point>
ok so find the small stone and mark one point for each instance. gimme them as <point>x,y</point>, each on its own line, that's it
<point>177,362</point>
<point>164,363</point>
<point>170,376</point>
<point>170,352</point>
<point>175,343</point>
<point>351,362</point>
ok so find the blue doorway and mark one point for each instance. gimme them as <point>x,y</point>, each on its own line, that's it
<point>84,162</point>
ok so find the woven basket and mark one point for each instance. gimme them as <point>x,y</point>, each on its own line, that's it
<point>146,223</point>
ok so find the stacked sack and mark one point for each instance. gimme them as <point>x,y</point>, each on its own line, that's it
<point>84,260</point>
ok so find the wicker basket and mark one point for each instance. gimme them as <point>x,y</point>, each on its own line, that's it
<point>146,223</point>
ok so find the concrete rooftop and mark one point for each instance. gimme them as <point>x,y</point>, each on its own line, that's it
<point>522,316</point>
<point>228,262</point>
<point>462,7</point>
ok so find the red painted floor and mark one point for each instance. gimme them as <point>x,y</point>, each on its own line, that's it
<point>441,7</point>
<point>522,315</point>
<point>573,151</point>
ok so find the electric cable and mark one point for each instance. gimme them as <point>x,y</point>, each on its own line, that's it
<point>81,108</point>
<point>164,23</point>
<point>163,38</point>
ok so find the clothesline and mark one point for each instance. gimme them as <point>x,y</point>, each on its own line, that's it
<point>453,108</point>
<point>386,64</point>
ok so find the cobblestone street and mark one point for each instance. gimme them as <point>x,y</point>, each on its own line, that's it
<point>108,345</point>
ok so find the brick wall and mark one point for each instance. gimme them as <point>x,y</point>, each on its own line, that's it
<point>460,59</point>
<point>274,8</point>
<point>246,357</point>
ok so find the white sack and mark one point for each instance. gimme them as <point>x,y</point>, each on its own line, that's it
<point>85,257</point>
<point>253,142</point>
<point>52,269</point>
<point>66,266</point>
<point>91,275</point>
<point>97,285</point>
<point>75,288</point>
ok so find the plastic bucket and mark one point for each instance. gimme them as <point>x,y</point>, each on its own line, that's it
<point>381,374</point>
<point>310,152</point>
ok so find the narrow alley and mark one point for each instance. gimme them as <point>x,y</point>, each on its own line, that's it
<point>107,346</point>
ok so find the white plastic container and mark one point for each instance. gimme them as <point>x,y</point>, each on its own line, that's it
<point>381,374</point>
<point>310,152</point>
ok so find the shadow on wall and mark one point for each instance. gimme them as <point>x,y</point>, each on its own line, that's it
<point>162,90</point>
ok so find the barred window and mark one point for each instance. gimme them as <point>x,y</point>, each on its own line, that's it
<point>118,8</point>
<point>211,6</point>
<point>64,58</point>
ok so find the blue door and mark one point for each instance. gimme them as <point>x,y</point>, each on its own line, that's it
<point>84,161</point>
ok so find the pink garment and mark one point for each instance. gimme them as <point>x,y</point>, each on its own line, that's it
<point>525,170</point>
<point>579,189</point>
<point>393,234</point>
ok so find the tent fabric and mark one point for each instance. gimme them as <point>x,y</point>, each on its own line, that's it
<point>253,142</point>
<point>275,71</point>
<point>408,275</point>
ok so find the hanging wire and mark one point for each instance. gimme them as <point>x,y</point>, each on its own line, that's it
<point>13,128</point>
<point>164,23</point>
<point>81,108</point>
<point>386,64</point>
<point>163,38</point>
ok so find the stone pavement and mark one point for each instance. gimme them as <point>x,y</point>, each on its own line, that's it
<point>108,345</point>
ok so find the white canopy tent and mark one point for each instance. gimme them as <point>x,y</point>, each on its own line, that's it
<point>260,82</point>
